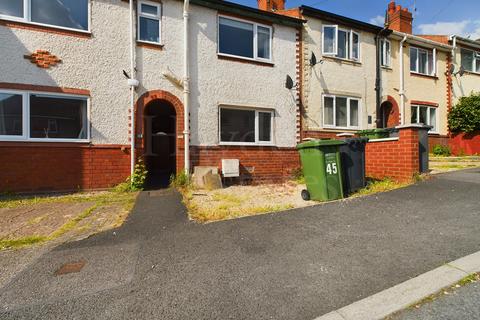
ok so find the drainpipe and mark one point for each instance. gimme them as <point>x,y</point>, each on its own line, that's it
<point>133,83</point>
<point>402,80</point>
<point>186,88</point>
<point>384,33</point>
<point>454,48</point>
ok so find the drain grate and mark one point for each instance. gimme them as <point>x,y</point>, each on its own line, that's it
<point>71,267</point>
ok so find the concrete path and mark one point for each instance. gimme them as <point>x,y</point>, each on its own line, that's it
<point>298,264</point>
<point>463,304</point>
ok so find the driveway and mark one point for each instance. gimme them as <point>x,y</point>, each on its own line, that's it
<point>292,265</point>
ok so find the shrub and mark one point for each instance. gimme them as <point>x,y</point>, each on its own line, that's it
<point>465,115</point>
<point>441,150</point>
<point>182,180</point>
<point>135,182</point>
<point>139,176</point>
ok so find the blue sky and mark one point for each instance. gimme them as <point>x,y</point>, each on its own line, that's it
<point>460,17</point>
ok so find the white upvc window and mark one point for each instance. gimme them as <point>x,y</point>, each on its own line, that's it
<point>341,112</point>
<point>246,126</point>
<point>385,51</point>
<point>423,61</point>
<point>244,39</point>
<point>427,115</point>
<point>64,14</point>
<point>43,117</point>
<point>149,22</point>
<point>341,43</point>
<point>470,60</point>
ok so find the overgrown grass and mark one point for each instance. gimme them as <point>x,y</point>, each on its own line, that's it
<point>22,242</point>
<point>225,211</point>
<point>125,200</point>
<point>377,186</point>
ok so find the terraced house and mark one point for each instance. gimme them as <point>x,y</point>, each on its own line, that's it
<point>414,77</point>
<point>82,82</point>
<point>339,72</point>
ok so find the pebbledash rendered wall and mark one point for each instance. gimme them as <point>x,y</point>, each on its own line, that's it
<point>92,63</point>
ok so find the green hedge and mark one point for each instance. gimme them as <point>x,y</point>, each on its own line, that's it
<point>465,115</point>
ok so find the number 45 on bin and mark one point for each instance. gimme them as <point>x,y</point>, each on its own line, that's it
<point>332,168</point>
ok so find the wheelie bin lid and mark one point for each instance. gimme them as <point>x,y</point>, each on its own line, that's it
<point>319,143</point>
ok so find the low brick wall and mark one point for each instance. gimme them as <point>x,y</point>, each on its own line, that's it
<point>396,159</point>
<point>465,144</point>
<point>257,164</point>
<point>320,134</point>
<point>36,167</point>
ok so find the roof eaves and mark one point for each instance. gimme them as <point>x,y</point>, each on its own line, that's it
<point>249,12</point>
<point>332,17</point>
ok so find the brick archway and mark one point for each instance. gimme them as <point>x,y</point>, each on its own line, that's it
<point>390,113</point>
<point>142,102</point>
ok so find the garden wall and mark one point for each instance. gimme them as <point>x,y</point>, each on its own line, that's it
<point>465,144</point>
<point>396,158</point>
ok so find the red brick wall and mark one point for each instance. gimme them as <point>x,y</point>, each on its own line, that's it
<point>30,167</point>
<point>397,159</point>
<point>465,144</point>
<point>257,164</point>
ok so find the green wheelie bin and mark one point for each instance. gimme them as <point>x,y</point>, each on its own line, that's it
<point>322,168</point>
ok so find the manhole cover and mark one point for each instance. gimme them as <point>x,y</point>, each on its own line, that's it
<point>71,267</point>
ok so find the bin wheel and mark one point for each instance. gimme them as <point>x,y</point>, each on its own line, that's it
<point>305,195</point>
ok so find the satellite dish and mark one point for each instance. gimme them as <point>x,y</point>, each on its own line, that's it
<point>461,72</point>
<point>313,60</point>
<point>452,69</point>
<point>289,83</point>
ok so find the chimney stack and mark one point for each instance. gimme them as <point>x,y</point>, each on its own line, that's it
<point>271,5</point>
<point>400,19</point>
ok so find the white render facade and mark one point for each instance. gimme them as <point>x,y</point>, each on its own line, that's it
<point>95,63</point>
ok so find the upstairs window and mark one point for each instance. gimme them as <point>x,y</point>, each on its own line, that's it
<point>385,49</point>
<point>149,21</point>
<point>341,43</point>
<point>244,39</point>
<point>471,60</point>
<point>69,14</point>
<point>423,61</point>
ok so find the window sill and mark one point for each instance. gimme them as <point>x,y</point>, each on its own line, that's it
<point>387,68</point>
<point>150,45</point>
<point>44,28</point>
<point>41,143</point>
<point>240,144</point>
<point>245,60</point>
<point>421,75</point>
<point>335,129</point>
<point>342,60</point>
<point>473,73</point>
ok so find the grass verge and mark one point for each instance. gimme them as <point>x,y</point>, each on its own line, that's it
<point>377,186</point>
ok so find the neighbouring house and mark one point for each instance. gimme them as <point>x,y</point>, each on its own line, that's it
<point>71,78</point>
<point>464,79</point>
<point>414,77</point>
<point>466,62</point>
<point>338,73</point>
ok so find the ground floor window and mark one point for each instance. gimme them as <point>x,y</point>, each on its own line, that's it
<point>341,112</point>
<point>37,116</point>
<point>425,115</point>
<point>246,126</point>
